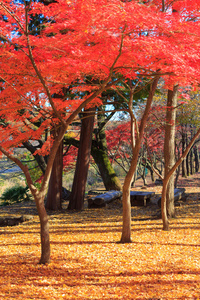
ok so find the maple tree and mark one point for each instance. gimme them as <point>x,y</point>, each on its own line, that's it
<point>109,45</point>
<point>36,95</point>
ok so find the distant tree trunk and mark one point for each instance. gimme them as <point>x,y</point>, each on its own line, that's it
<point>80,177</point>
<point>183,140</point>
<point>191,162</point>
<point>101,158</point>
<point>196,159</point>
<point>167,177</point>
<point>100,154</point>
<point>151,173</point>
<point>54,195</point>
<point>108,175</point>
<point>187,157</point>
<point>169,147</point>
<point>178,169</point>
<point>39,158</point>
<point>143,173</point>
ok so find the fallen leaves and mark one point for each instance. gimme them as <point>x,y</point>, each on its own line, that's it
<point>87,263</point>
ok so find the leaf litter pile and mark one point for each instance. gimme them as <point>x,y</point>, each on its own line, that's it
<point>88,263</point>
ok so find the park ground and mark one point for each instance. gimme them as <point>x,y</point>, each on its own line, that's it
<point>88,263</point>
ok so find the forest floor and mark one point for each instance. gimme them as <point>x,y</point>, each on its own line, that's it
<point>87,262</point>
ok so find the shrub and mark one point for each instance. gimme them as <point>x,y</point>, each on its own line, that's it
<point>15,194</point>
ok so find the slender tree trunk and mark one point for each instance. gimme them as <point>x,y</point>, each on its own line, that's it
<point>80,178</point>
<point>178,169</point>
<point>196,159</point>
<point>164,206</point>
<point>183,140</point>
<point>44,230</point>
<point>126,229</point>
<point>151,173</point>
<point>169,147</point>
<point>187,157</point>
<point>136,144</point>
<point>191,162</point>
<point>39,200</point>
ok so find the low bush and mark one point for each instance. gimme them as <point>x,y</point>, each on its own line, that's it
<point>15,194</point>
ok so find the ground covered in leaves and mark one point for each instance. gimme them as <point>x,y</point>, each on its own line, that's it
<point>88,263</point>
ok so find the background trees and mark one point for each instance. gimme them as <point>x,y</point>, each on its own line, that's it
<point>118,42</point>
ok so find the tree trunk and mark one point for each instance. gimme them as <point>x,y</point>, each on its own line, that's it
<point>44,230</point>
<point>39,200</point>
<point>164,206</point>
<point>80,178</point>
<point>169,148</point>
<point>108,175</point>
<point>191,162</point>
<point>100,155</point>
<point>167,177</point>
<point>196,159</point>
<point>187,157</point>
<point>152,174</point>
<point>54,195</point>
<point>126,228</point>
<point>184,169</point>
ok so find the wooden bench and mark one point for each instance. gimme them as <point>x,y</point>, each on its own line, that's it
<point>158,182</point>
<point>140,198</point>
<point>102,199</point>
<point>179,194</point>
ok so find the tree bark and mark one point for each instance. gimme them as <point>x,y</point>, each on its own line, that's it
<point>184,169</point>
<point>100,155</point>
<point>108,175</point>
<point>191,162</point>
<point>126,228</point>
<point>164,206</point>
<point>196,159</point>
<point>80,178</point>
<point>44,230</point>
<point>169,148</point>
<point>54,195</point>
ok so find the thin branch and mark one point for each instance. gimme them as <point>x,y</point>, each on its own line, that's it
<point>40,75</point>
<point>24,168</point>
<point>12,87</point>
<point>11,13</point>
<point>183,156</point>
<point>152,166</point>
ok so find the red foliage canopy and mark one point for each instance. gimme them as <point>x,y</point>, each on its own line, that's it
<point>101,40</point>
